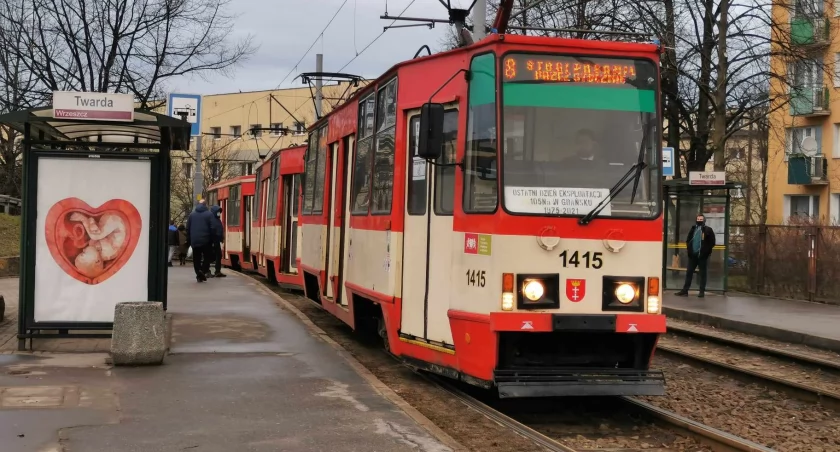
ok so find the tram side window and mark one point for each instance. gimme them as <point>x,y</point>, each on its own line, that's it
<point>320,183</point>
<point>445,175</point>
<point>417,168</point>
<point>234,203</point>
<point>272,189</point>
<point>383,160</point>
<point>311,171</point>
<point>360,191</point>
<point>480,186</point>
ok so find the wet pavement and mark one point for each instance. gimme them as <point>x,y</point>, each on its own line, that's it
<point>813,324</point>
<point>243,375</point>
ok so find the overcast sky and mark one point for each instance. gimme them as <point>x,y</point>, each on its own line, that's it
<point>284,29</point>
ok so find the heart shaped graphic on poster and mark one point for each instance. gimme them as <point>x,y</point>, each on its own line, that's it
<point>92,244</point>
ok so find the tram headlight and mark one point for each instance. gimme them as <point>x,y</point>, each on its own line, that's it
<point>625,293</point>
<point>533,290</point>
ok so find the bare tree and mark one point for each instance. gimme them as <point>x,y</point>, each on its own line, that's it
<point>126,46</point>
<point>221,163</point>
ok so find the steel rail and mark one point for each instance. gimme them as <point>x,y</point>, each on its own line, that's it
<point>802,358</point>
<point>802,391</point>
<point>496,416</point>
<point>718,439</point>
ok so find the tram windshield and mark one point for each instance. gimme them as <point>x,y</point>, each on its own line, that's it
<point>573,127</point>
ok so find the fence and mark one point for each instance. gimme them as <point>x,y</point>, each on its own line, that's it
<point>787,261</point>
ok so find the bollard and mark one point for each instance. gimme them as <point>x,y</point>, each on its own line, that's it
<point>139,336</point>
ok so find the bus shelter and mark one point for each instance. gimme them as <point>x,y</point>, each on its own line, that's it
<point>95,211</point>
<point>683,202</point>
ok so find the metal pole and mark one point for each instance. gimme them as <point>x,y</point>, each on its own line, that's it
<point>319,98</point>
<point>479,19</point>
<point>198,180</point>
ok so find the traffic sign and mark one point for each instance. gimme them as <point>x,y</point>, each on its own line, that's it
<point>668,161</point>
<point>189,104</point>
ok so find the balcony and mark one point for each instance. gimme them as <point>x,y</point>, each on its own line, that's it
<point>804,170</point>
<point>810,31</point>
<point>809,101</point>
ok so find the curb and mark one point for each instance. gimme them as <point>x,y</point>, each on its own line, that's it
<point>377,384</point>
<point>754,329</point>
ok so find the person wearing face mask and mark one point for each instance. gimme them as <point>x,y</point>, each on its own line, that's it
<point>700,242</point>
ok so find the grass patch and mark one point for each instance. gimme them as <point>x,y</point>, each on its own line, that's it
<point>9,235</point>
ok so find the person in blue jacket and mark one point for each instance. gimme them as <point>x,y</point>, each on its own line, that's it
<point>201,232</point>
<point>217,242</point>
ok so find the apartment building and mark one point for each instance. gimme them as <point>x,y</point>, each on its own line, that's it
<point>804,142</point>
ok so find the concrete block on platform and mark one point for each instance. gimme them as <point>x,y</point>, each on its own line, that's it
<point>139,336</point>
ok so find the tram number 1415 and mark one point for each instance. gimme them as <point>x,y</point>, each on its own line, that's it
<point>476,278</point>
<point>575,259</point>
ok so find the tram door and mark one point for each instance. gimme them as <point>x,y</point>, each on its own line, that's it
<point>338,219</point>
<point>246,228</point>
<point>291,187</point>
<point>430,196</point>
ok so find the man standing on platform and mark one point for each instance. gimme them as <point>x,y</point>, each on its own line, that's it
<point>699,244</point>
<point>201,232</point>
<point>217,242</point>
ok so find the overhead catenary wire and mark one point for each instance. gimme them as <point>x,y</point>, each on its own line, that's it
<point>320,36</point>
<point>377,37</point>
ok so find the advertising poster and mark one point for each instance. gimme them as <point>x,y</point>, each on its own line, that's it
<point>92,237</point>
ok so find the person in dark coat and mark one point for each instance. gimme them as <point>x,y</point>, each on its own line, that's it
<point>699,243</point>
<point>201,230</point>
<point>184,245</point>
<point>217,242</point>
<point>174,240</point>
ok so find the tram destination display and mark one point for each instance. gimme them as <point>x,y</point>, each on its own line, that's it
<point>585,70</point>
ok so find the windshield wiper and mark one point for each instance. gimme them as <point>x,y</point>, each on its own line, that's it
<point>616,189</point>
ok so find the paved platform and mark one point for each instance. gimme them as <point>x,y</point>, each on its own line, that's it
<point>813,324</point>
<point>243,375</point>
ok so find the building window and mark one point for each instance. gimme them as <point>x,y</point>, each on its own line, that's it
<point>799,208</point>
<point>215,170</point>
<point>300,128</point>
<point>188,170</point>
<point>246,168</point>
<point>360,191</point>
<point>383,158</point>
<point>256,130</point>
<point>236,131</point>
<point>277,129</point>
<point>795,138</point>
<point>834,209</point>
<point>216,132</point>
<point>480,186</point>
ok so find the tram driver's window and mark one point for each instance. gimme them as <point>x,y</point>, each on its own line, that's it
<point>445,175</point>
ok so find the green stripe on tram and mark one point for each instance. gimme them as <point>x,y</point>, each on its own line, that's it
<point>580,97</point>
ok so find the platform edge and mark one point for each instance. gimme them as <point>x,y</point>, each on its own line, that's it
<point>369,377</point>
<point>752,328</point>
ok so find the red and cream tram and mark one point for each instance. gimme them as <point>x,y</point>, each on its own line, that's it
<point>495,212</point>
<point>262,231</point>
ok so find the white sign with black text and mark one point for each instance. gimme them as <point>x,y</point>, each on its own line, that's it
<point>556,201</point>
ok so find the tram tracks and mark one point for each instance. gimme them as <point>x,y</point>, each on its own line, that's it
<point>716,440</point>
<point>560,424</point>
<point>804,376</point>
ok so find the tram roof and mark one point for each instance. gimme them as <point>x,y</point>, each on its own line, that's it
<point>489,42</point>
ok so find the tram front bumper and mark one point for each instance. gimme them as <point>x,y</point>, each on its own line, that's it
<point>516,383</point>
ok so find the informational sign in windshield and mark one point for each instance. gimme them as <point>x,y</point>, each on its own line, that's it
<point>568,69</point>
<point>555,201</point>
